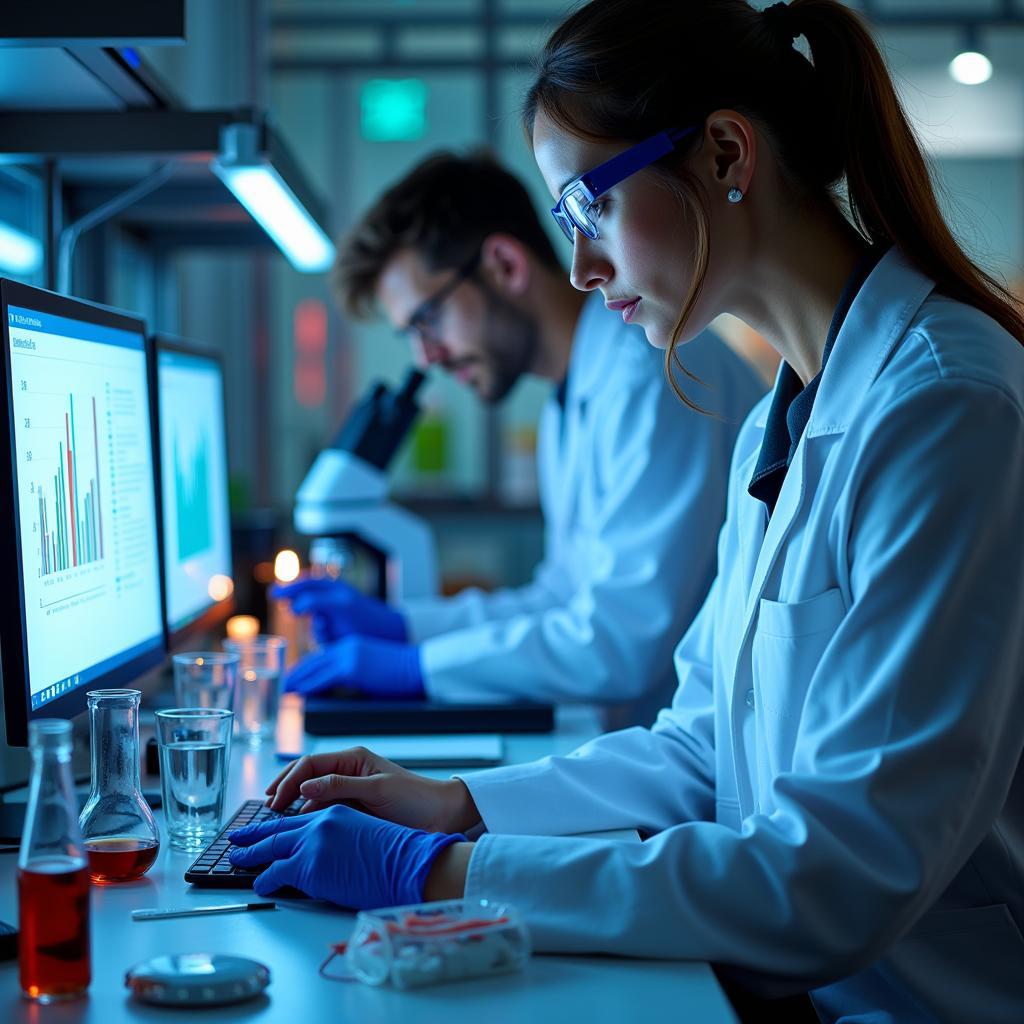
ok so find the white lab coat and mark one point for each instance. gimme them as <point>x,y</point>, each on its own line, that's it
<point>835,793</point>
<point>632,489</point>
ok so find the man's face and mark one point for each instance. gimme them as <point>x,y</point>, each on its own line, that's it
<point>476,334</point>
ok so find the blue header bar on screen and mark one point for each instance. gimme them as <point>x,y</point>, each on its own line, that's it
<point>188,361</point>
<point>83,330</point>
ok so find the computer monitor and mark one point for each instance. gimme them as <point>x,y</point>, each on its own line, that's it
<point>81,563</point>
<point>193,485</point>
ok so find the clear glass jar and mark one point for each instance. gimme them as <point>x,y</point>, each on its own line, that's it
<point>53,875</point>
<point>119,831</point>
<point>261,661</point>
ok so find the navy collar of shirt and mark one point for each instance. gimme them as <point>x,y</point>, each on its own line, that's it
<point>792,401</point>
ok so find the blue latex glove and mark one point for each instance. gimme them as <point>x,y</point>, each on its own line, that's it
<point>337,609</point>
<point>377,668</point>
<point>342,855</point>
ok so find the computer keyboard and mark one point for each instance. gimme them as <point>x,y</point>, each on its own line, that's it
<point>212,867</point>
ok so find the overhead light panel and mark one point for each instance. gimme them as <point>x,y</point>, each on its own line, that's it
<point>970,66</point>
<point>261,189</point>
<point>19,253</point>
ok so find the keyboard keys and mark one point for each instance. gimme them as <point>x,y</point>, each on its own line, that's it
<point>213,866</point>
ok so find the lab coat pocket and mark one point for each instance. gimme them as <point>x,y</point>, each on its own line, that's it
<point>808,618</point>
<point>969,961</point>
<point>788,644</point>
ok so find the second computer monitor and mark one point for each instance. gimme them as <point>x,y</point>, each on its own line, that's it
<point>194,484</point>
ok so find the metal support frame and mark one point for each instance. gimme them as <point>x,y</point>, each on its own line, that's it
<point>100,215</point>
<point>492,113</point>
<point>97,23</point>
<point>490,19</point>
<point>32,136</point>
<point>135,86</point>
<point>54,221</point>
<point>1007,15</point>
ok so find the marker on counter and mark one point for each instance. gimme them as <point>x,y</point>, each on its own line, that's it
<point>223,908</point>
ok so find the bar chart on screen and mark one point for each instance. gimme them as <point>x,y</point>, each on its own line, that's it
<point>70,523</point>
<point>192,494</point>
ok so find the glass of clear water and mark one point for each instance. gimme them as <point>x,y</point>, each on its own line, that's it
<point>260,667</point>
<point>194,745</point>
<point>205,679</point>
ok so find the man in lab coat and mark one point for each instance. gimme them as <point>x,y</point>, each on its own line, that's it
<point>632,481</point>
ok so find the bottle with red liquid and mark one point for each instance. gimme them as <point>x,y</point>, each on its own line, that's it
<point>53,875</point>
<point>118,828</point>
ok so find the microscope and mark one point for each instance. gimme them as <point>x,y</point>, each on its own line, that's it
<point>380,548</point>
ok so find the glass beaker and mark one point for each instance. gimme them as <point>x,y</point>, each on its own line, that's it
<point>53,878</point>
<point>118,828</point>
<point>195,748</point>
<point>260,667</point>
<point>205,679</point>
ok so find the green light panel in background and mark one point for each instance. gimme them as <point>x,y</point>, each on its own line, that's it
<point>394,109</point>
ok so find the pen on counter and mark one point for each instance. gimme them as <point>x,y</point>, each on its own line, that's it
<point>222,908</point>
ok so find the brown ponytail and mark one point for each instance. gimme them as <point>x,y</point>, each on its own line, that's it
<point>624,69</point>
<point>890,191</point>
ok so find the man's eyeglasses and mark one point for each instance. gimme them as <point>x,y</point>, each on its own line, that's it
<point>426,316</point>
<point>572,212</point>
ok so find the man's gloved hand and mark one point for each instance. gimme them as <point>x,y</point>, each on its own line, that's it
<point>342,855</point>
<point>377,668</point>
<point>337,610</point>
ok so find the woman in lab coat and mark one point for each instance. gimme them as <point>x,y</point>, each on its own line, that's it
<point>833,801</point>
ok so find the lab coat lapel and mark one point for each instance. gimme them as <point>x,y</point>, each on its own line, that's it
<point>753,520</point>
<point>791,498</point>
<point>877,319</point>
<point>874,325</point>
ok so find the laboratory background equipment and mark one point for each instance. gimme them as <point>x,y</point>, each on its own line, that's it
<point>359,534</point>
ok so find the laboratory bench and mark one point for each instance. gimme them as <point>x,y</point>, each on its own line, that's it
<point>294,940</point>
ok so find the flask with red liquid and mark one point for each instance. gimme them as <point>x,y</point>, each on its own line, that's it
<point>53,875</point>
<point>118,828</point>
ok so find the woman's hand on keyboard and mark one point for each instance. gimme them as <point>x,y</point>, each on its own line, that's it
<point>341,855</point>
<point>359,778</point>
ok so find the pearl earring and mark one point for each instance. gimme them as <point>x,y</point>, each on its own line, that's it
<point>735,195</point>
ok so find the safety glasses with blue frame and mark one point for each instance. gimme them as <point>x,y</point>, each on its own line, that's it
<point>572,211</point>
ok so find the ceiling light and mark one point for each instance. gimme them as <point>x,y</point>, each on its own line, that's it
<point>19,253</point>
<point>261,189</point>
<point>970,68</point>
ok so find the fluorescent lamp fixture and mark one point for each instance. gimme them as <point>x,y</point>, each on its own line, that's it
<point>19,253</point>
<point>273,205</point>
<point>970,68</point>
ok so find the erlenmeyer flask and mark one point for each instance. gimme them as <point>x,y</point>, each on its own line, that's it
<point>118,829</point>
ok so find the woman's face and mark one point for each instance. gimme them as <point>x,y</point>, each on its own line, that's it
<point>645,253</point>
